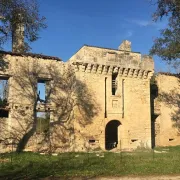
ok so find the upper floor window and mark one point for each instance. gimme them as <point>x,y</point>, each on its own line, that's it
<point>114,83</point>
<point>43,91</point>
<point>4,91</point>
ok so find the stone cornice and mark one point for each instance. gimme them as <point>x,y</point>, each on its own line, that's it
<point>109,69</point>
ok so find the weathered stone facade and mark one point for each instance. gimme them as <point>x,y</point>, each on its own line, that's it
<point>129,105</point>
<point>99,99</point>
<point>167,110</point>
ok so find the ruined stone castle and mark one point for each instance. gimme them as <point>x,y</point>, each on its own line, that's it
<point>100,99</point>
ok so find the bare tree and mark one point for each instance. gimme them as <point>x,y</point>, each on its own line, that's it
<point>19,19</point>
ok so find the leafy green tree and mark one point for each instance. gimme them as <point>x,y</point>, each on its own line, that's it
<point>167,46</point>
<point>16,13</point>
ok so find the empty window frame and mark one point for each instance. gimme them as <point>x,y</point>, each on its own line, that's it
<point>114,83</point>
<point>43,90</point>
<point>43,120</point>
<point>4,91</point>
<point>4,113</point>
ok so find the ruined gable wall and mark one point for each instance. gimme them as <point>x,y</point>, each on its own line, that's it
<point>168,104</point>
<point>23,73</point>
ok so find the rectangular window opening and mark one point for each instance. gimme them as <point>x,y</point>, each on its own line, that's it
<point>43,120</point>
<point>4,92</point>
<point>114,83</point>
<point>4,113</point>
<point>92,140</point>
<point>42,91</point>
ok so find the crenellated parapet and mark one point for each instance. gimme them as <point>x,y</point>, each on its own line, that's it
<point>99,60</point>
<point>109,69</point>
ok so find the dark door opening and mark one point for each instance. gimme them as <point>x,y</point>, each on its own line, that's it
<point>111,134</point>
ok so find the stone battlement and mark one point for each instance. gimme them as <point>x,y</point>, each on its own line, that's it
<point>109,69</point>
<point>112,57</point>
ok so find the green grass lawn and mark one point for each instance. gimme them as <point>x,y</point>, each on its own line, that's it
<point>34,166</point>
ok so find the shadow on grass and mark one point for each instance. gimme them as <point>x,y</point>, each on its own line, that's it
<point>89,165</point>
<point>34,166</point>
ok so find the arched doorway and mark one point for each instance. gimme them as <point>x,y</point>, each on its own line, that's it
<point>111,134</point>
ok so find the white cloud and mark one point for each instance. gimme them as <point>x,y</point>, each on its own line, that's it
<point>138,22</point>
<point>129,33</point>
<point>144,23</point>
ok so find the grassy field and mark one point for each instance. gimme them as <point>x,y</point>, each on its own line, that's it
<point>34,166</point>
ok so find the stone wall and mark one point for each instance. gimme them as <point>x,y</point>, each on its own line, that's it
<point>23,73</point>
<point>167,104</point>
<point>105,56</point>
<point>97,92</point>
<point>130,105</point>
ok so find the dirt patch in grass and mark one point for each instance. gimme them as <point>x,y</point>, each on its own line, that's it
<point>4,160</point>
<point>116,178</point>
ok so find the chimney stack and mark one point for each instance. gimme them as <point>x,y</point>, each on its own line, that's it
<point>18,35</point>
<point>125,46</point>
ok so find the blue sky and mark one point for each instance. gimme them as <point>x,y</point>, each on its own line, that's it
<point>106,23</point>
